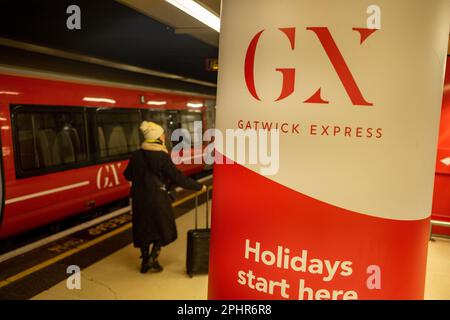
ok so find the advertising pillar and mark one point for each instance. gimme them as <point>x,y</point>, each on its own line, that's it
<point>343,99</point>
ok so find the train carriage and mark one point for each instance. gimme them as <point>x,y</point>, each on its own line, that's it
<point>441,195</point>
<point>66,144</point>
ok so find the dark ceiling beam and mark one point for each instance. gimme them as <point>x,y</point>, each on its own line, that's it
<point>98,61</point>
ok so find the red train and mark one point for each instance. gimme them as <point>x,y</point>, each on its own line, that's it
<point>441,197</point>
<point>65,145</point>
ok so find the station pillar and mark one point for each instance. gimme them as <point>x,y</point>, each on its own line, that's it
<point>337,203</point>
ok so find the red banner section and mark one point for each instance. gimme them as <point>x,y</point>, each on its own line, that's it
<point>325,252</point>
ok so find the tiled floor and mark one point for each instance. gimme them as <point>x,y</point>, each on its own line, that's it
<point>118,277</point>
<point>438,270</point>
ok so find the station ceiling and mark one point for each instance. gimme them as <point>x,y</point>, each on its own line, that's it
<point>144,33</point>
<point>182,23</point>
<point>149,34</point>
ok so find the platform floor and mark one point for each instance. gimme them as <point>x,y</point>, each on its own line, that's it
<point>118,277</point>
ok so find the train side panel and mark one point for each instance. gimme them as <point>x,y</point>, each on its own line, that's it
<point>39,200</point>
<point>441,198</point>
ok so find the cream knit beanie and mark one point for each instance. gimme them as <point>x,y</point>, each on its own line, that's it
<point>151,130</point>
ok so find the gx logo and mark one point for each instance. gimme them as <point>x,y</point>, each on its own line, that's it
<point>107,176</point>
<point>334,55</point>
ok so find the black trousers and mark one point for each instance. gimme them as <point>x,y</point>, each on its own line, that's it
<point>156,250</point>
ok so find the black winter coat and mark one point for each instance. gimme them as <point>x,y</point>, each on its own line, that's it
<point>153,218</point>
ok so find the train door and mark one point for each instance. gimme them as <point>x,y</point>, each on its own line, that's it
<point>2,184</point>
<point>441,196</point>
<point>187,122</point>
<point>210,114</point>
<point>210,121</point>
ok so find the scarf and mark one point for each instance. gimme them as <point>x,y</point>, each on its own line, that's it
<point>154,145</point>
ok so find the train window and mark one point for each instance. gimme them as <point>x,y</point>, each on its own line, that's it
<point>117,132</point>
<point>187,119</point>
<point>47,138</point>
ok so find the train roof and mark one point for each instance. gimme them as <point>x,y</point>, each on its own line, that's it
<point>23,59</point>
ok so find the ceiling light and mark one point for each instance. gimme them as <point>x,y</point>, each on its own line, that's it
<point>90,99</point>
<point>197,11</point>
<point>194,105</point>
<point>157,103</point>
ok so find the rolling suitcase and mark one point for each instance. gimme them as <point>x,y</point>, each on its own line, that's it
<point>197,257</point>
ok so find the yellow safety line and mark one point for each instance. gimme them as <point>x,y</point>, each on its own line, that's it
<point>84,246</point>
<point>62,256</point>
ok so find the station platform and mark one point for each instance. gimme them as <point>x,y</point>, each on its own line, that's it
<point>118,277</point>
<point>110,270</point>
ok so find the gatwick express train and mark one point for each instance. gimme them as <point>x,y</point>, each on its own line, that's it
<point>441,195</point>
<point>65,144</point>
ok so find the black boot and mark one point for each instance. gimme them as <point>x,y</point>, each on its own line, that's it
<point>154,263</point>
<point>145,265</point>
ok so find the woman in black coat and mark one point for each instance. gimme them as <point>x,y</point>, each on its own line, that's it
<point>151,171</point>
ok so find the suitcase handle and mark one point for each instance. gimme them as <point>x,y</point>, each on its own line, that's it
<point>207,209</point>
<point>196,212</point>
